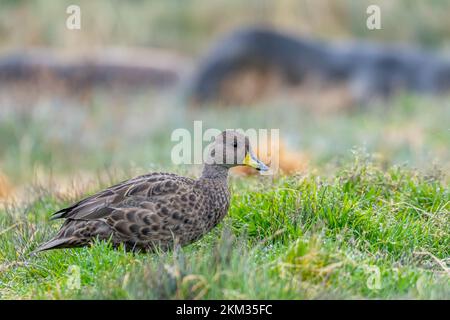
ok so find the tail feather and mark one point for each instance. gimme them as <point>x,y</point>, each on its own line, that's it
<point>52,244</point>
<point>61,213</point>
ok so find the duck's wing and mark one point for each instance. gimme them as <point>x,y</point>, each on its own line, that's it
<point>123,194</point>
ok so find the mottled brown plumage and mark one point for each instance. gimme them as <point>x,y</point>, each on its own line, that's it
<point>157,209</point>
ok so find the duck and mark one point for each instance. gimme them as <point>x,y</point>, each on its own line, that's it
<point>157,210</point>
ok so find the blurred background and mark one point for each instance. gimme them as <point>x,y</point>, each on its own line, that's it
<point>77,103</point>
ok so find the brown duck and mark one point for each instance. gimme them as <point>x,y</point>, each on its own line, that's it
<point>157,209</point>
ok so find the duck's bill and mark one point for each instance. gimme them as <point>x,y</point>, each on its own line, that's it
<point>251,161</point>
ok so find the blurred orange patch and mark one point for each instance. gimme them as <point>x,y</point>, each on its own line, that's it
<point>290,161</point>
<point>5,187</point>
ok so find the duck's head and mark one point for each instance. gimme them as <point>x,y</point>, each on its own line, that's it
<point>231,148</point>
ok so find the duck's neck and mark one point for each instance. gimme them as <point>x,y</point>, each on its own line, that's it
<point>214,171</point>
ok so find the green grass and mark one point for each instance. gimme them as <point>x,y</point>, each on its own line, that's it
<point>364,232</point>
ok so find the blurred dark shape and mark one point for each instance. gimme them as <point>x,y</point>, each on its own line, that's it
<point>77,73</point>
<point>246,66</point>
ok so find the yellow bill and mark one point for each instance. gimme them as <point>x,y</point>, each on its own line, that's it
<point>251,161</point>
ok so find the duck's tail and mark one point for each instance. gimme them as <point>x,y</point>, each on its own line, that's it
<point>55,243</point>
